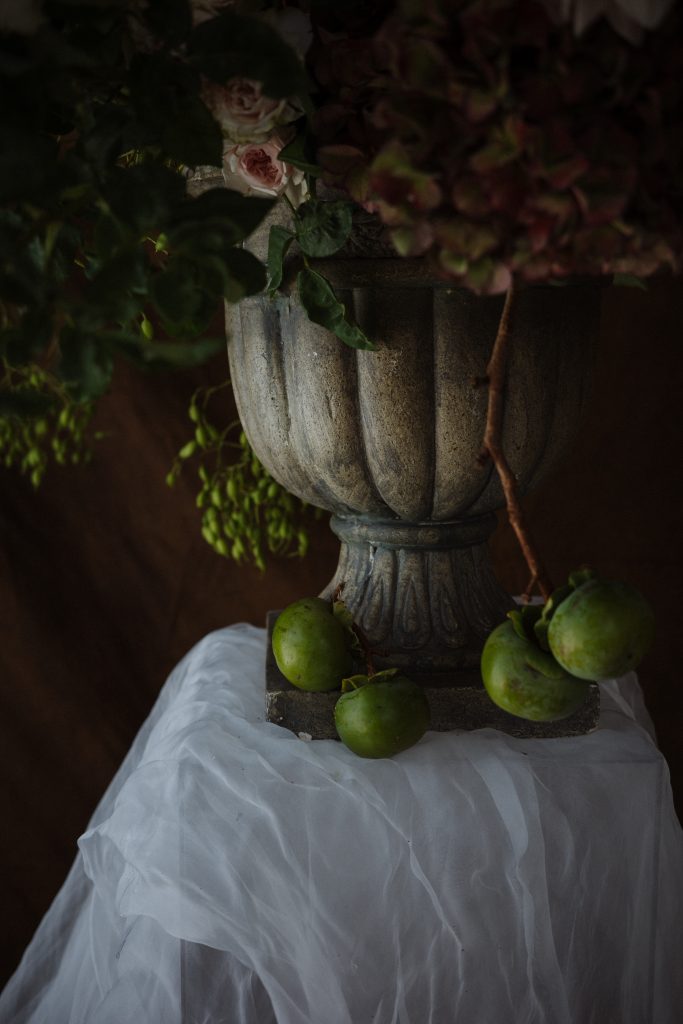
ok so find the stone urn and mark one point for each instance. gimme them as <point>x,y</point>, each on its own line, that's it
<point>387,440</point>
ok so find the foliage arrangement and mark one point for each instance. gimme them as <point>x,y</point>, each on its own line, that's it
<point>245,512</point>
<point>487,136</point>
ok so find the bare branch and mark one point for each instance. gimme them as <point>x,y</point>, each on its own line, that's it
<point>496,373</point>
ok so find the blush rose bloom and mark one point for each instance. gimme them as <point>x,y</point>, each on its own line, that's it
<point>244,113</point>
<point>254,169</point>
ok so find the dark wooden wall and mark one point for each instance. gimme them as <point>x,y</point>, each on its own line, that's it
<point>105,581</point>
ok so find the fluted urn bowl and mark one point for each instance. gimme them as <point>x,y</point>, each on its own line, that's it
<point>388,440</point>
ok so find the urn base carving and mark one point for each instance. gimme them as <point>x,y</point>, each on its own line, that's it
<point>424,595</point>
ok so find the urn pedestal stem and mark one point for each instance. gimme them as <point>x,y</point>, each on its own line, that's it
<point>424,594</point>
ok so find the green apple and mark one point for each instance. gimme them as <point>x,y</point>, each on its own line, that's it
<point>601,630</point>
<point>381,715</point>
<point>312,647</point>
<point>526,681</point>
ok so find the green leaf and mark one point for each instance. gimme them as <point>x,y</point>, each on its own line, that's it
<point>580,576</point>
<point>324,308</point>
<point>352,336</point>
<point>21,344</point>
<point>222,210</point>
<point>169,112</point>
<point>354,683</point>
<point>279,242</point>
<point>542,624</point>
<point>629,281</point>
<point>384,675</point>
<point>23,278</point>
<point>246,275</point>
<point>171,354</point>
<point>86,363</point>
<point>118,290</point>
<point>192,136</point>
<point>142,195</point>
<point>185,294</point>
<point>299,154</point>
<point>234,45</point>
<point>322,228</point>
<point>171,20</point>
<point>517,621</point>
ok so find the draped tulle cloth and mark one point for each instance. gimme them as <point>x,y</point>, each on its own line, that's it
<point>234,873</point>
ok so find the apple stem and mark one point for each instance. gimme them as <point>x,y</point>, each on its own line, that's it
<point>529,590</point>
<point>492,448</point>
<point>366,648</point>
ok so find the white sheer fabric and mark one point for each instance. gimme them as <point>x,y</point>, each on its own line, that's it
<point>236,874</point>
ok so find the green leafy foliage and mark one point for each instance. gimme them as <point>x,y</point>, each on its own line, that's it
<point>40,422</point>
<point>279,241</point>
<point>237,45</point>
<point>323,307</point>
<point>103,115</point>
<point>300,153</point>
<point>245,512</point>
<point>323,227</point>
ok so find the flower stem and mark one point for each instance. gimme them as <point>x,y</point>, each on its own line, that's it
<point>492,447</point>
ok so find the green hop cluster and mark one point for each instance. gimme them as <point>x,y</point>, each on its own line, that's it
<point>39,421</point>
<point>245,512</point>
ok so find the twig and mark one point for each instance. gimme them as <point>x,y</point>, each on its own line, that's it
<point>492,448</point>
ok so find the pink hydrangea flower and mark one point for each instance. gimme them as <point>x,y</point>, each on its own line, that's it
<point>628,17</point>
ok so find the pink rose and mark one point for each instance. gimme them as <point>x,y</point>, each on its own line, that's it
<point>254,168</point>
<point>243,112</point>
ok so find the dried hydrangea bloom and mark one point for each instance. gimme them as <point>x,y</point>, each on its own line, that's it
<point>628,17</point>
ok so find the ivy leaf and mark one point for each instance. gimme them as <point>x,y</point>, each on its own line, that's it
<point>228,212</point>
<point>279,242</point>
<point>170,19</point>
<point>170,113</point>
<point>86,364</point>
<point>629,281</point>
<point>142,196</point>
<point>245,275</point>
<point>298,154</point>
<point>233,45</point>
<point>118,290</point>
<point>192,136</point>
<point>322,228</point>
<point>169,354</point>
<point>325,309</point>
<point>22,343</point>
<point>185,294</point>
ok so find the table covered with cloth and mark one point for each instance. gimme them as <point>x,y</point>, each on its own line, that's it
<point>234,873</point>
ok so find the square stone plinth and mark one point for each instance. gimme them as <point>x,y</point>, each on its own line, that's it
<point>460,703</point>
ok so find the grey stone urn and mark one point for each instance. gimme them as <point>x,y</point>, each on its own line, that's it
<point>387,441</point>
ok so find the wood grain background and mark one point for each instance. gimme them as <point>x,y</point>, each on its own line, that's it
<point>105,582</point>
